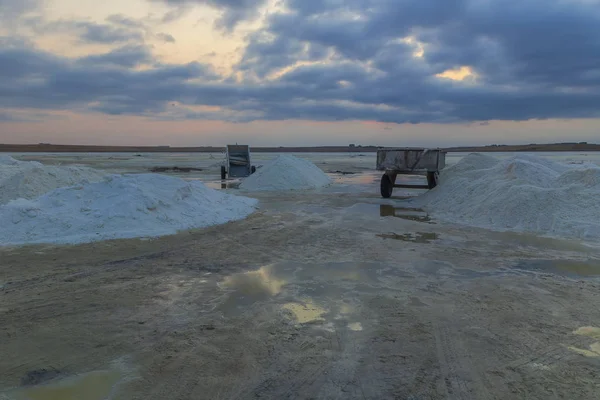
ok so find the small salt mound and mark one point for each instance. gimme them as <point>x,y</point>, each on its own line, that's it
<point>286,173</point>
<point>8,160</point>
<point>588,177</point>
<point>127,206</point>
<point>473,161</point>
<point>522,193</point>
<point>30,179</point>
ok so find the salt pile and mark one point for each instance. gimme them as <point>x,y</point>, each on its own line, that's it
<point>125,206</point>
<point>523,193</point>
<point>30,179</point>
<point>286,173</point>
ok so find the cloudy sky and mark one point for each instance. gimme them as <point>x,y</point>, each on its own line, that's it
<point>294,72</point>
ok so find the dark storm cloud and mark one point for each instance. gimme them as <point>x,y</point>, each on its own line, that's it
<point>340,60</point>
<point>123,20</point>
<point>97,33</point>
<point>126,56</point>
<point>11,9</point>
<point>233,11</point>
<point>90,32</point>
<point>533,59</point>
<point>165,37</point>
<point>35,79</point>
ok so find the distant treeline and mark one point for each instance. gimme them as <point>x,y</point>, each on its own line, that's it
<point>56,148</point>
<point>581,146</point>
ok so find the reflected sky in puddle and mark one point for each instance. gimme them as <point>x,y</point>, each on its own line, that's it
<point>418,237</point>
<point>306,311</point>
<point>446,270</point>
<point>97,385</point>
<point>285,282</point>
<point>222,184</point>
<point>355,326</point>
<point>388,210</point>
<point>520,239</point>
<point>411,214</point>
<point>572,268</point>
<point>594,348</point>
<point>250,287</point>
<point>255,282</point>
<point>567,268</point>
<point>354,178</point>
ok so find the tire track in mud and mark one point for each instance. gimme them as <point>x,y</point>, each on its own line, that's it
<point>292,377</point>
<point>460,380</point>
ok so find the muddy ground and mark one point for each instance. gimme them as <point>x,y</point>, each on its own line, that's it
<point>316,296</point>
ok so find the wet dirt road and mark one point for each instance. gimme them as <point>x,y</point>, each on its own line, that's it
<point>328,295</point>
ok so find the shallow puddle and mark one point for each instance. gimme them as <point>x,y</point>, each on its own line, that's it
<point>411,214</point>
<point>594,348</point>
<point>305,312</point>
<point>418,237</point>
<point>250,287</point>
<point>222,184</point>
<point>388,210</point>
<point>562,267</point>
<point>355,326</point>
<point>255,282</point>
<point>285,281</point>
<point>354,178</point>
<point>98,385</point>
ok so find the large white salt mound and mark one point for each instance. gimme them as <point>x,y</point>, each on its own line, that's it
<point>8,160</point>
<point>30,179</point>
<point>522,193</point>
<point>127,206</point>
<point>286,173</point>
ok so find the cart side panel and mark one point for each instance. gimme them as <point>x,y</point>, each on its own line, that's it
<point>238,160</point>
<point>391,160</point>
<point>441,160</point>
<point>238,148</point>
<point>431,160</point>
<point>410,160</point>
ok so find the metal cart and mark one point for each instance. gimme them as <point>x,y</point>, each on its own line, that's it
<point>409,161</point>
<point>237,162</point>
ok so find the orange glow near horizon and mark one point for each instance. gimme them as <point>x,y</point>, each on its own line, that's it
<point>98,129</point>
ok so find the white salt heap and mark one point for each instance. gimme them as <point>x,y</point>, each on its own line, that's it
<point>522,193</point>
<point>286,173</point>
<point>30,179</point>
<point>125,206</point>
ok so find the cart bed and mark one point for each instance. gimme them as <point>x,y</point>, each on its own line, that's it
<point>410,159</point>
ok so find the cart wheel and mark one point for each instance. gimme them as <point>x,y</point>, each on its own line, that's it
<point>253,169</point>
<point>432,178</point>
<point>223,172</point>
<point>386,186</point>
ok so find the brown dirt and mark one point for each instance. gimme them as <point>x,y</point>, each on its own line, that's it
<point>332,311</point>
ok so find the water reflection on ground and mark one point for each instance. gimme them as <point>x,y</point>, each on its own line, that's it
<point>411,214</point>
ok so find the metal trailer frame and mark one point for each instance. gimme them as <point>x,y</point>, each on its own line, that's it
<point>409,161</point>
<point>237,162</point>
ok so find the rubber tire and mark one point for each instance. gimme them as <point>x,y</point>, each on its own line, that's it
<point>432,179</point>
<point>387,187</point>
<point>253,169</point>
<point>223,172</point>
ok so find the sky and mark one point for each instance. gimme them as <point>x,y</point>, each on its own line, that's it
<point>299,72</point>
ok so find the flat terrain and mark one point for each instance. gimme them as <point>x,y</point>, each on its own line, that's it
<point>53,148</point>
<point>335,294</point>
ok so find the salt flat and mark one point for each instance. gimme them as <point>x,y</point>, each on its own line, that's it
<point>333,293</point>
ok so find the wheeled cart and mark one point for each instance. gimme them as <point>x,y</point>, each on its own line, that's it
<point>409,161</point>
<point>237,162</point>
